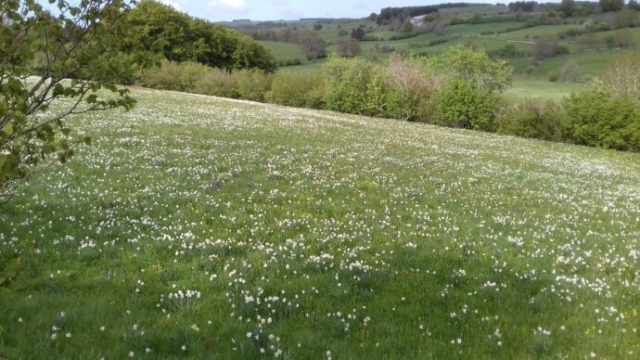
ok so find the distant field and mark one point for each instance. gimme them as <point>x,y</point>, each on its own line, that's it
<point>305,68</point>
<point>285,51</point>
<point>525,88</point>
<point>206,228</point>
<point>479,9</point>
<point>531,33</point>
<point>476,30</point>
<point>590,63</point>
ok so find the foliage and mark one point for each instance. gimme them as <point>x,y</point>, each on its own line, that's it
<point>348,82</point>
<point>349,48</point>
<point>80,43</point>
<point>548,46</point>
<point>460,104</point>
<point>622,77</point>
<point>567,7</point>
<point>532,118</point>
<point>297,90</point>
<point>611,5</point>
<point>248,84</point>
<point>570,71</point>
<point>389,14</point>
<point>474,67</point>
<point>184,38</point>
<point>596,117</point>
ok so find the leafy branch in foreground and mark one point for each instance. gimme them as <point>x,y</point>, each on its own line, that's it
<point>54,65</point>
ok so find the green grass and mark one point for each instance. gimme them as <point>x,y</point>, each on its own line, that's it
<point>285,51</point>
<point>529,34</point>
<point>311,67</point>
<point>524,88</point>
<point>316,234</point>
<point>591,64</point>
<point>476,30</point>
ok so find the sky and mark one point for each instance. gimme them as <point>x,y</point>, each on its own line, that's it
<point>226,10</point>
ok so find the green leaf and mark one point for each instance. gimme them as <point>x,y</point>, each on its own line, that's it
<point>91,99</point>
<point>8,130</point>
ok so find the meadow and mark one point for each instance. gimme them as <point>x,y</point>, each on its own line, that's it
<point>199,227</point>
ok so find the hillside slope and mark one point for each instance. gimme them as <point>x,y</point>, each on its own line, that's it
<point>199,227</point>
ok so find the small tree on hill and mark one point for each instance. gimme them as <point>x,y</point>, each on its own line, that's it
<point>73,54</point>
<point>611,5</point>
<point>349,48</point>
<point>567,7</point>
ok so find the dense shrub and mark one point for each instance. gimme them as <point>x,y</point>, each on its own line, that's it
<point>459,104</point>
<point>532,118</point>
<point>298,90</point>
<point>358,86</point>
<point>201,79</point>
<point>414,83</point>
<point>253,85</point>
<point>622,77</point>
<point>597,118</point>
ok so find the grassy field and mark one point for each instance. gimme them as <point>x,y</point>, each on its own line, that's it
<point>198,227</point>
<point>533,32</point>
<point>524,88</point>
<point>285,51</point>
<point>591,64</point>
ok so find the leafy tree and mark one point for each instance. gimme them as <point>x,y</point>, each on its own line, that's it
<point>611,5</point>
<point>75,55</point>
<point>633,5</point>
<point>408,27</point>
<point>358,33</point>
<point>184,38</point>
<point>547,46</point>
<point>349,48</point>
<point>475,67</point>
<point>567,7</point>
<point>472,81</point>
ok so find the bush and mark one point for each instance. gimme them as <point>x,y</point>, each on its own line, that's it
<point>570,71</point>
<point>597,118</point>
<point>532,118</point>
<point>459,104</point>
<point>347,81</point>
<point>253,85</point>
<point>412,83</point>
<point>622,77</point>
<point>298,90</point>
<point>201,79</point>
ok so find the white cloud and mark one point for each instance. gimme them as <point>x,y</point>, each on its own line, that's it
<point>233,5</point>
<point>173,4</point>
<point>278,2</point>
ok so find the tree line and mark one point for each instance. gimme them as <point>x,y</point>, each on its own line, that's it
<point>185,38</point>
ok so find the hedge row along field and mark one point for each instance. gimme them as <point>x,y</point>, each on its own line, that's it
<point>462,88</point>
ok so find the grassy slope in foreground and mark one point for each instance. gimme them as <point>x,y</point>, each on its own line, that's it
<point>206,228</point>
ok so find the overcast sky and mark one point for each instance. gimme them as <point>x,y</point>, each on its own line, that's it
<point>225,10</point>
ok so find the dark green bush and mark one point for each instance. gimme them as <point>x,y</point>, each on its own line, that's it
<point>532,118</point>
<point>596,118</point>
